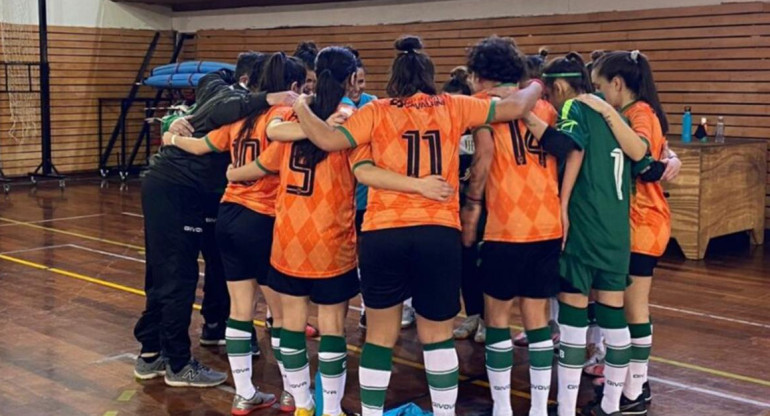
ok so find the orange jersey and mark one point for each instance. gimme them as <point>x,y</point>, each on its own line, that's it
<point>416,136</point>
<point>650,214</point>
<point>314,234</point>
<point>522,190</point>
<point>258,195</point>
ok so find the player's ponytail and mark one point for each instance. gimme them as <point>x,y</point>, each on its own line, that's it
<point>412,70</point>
<point>335,66</point>
<point>634,68</point>
<point>571,69</point>
<point>279,73</point>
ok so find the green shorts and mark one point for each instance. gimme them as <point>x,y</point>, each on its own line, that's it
<point>578,277</point>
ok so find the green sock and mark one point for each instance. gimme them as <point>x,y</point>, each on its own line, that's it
<point>374,377</point>
<point>294,356</point>
<point>540,363</point>
<point>499,360</point>
<point>332,357</point>
<point>238,345</point>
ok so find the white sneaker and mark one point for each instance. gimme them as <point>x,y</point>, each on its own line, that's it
<point>467,328</point>
<point>407,317</point>
<point>481,333</point>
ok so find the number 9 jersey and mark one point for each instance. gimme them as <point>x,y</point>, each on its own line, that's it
<point>314,235</point>
<point>416,136</point>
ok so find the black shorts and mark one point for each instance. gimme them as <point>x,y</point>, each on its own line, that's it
<point>245,238</point>
<point>423,263</point>
<point>642,265</point>
<point>321,291</point>
<point>529,270</point>
<point>359,220</point>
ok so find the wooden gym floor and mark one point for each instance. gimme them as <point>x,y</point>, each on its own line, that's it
<point>71,274</point>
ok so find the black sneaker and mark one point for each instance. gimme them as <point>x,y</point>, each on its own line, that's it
<point>630,407</point>
<point>597,410</point>
<point>646,392</point>
<point>213,335</point>
<point>255,351</point>
<point>362,321</point>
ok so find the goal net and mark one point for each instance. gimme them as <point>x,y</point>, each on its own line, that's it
<point>19,72</point>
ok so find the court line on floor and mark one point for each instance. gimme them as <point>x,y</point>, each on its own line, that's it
<point>709,392</point>
<point>71,233</point>
<point>27,250</point>
<point>711,316</point>
<point>141,249</point>
<point>79,217</point>
<point>413,364</point>
<point>131,214</point>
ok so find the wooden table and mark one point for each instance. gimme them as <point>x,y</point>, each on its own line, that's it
<point>720,190</point>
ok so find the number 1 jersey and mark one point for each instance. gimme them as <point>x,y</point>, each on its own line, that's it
<point>599,235</point>
<point>416,136</point>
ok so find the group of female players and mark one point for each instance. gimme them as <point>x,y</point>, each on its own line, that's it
<point>554,166</point>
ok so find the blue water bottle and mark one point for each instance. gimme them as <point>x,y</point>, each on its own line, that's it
<point>687,125</point>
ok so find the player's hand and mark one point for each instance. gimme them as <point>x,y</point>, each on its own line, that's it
<point>435,187</point>
<point>167,138</point>
<point>181,127</point>
<point>302,100</point>
<point>564,226</point>
<point>230,168</point>
<point>672,162</point>
<point>282,98</point>
<point>469,217</point>
<point>337,119</point>
<point>596,103</point>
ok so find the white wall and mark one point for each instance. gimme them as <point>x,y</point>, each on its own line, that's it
<point>403,11</point>
<point>88,13</point>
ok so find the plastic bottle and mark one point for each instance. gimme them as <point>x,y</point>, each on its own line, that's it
<point>687,125</point>
<point>719,135</point>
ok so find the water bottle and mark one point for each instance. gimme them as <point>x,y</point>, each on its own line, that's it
<point>687,125</point>
<point>719,135</point>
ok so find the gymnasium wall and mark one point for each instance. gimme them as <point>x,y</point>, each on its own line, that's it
<point>712,57</point>
<point>86,64</point>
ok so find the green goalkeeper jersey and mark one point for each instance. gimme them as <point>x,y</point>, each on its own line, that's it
<point>600,231</point>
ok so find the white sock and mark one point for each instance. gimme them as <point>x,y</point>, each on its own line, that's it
<point>615,366</point>
<point>571,357</point>
<point>499,361</point>
<point>540,379</point>
<point>240,362</point>
<point>637,369</point>
<point>442,369</point>
<point>275,342</point>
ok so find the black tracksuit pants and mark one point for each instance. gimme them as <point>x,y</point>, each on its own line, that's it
<point>176,230</point>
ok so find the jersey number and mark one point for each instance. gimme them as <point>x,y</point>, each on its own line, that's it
<point>244,147</point>
<point>300,165</point>
<point>412,137</point>
<point>525,143</point>
<point>617,154</point>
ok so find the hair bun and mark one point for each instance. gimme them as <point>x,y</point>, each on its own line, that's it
<point>595,55</point>
<point>459,73</point>
<point>575,57</point>
<point>306,46</point>
<point>408,43</point>
<point>543,52</point>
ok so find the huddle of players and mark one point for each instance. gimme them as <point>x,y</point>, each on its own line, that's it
<point>286,221</point>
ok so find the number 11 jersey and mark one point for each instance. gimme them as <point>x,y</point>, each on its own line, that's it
<point>416,136</point>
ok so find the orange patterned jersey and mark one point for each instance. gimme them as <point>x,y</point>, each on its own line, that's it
<point>314,234</point>
<point>650,215</point>
<point>415,136</point>
<point>522,192</point>
<point>258,195</point>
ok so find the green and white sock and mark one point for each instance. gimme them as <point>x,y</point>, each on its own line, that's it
<point>374,377</point>
<point>540,363</point>
<point>573,325</point>
<point>238,345</point>
<point>499,361</point>
<point>612,321</point>
<point>332,357</point>
<point>294,355</point>
<point>275,344</point>
<point>641,344</point>
<point>443,370</point>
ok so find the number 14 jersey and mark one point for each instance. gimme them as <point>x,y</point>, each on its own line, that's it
<point>416,136</point>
